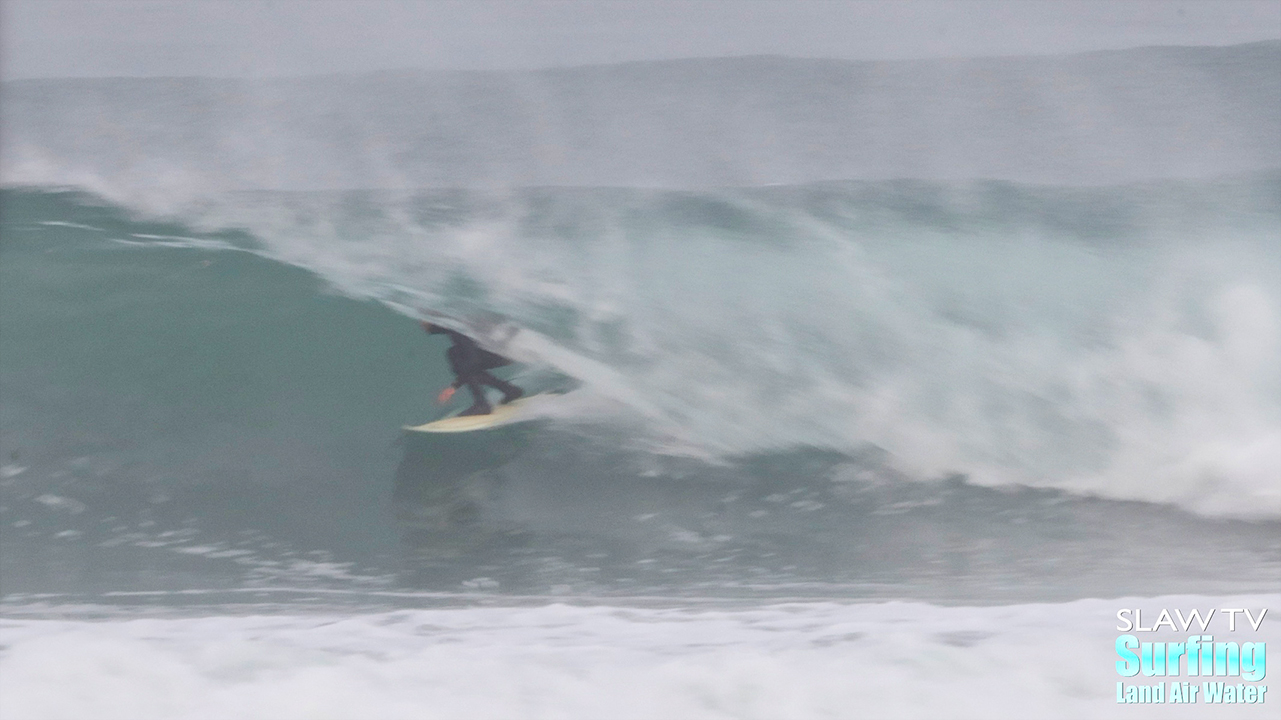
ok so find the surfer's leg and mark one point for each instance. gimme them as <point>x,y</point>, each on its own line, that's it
<point>480,405</point>
<point>457,357</point>
<point>510,391</point>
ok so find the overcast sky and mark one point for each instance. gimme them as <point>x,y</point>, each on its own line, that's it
<point>67,38</point>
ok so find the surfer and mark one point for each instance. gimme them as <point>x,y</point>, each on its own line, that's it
<point>471,365</point>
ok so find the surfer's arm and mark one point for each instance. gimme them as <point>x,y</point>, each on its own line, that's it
<point>449,390</point>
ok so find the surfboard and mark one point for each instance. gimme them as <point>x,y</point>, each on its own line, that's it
<point>502,415</point>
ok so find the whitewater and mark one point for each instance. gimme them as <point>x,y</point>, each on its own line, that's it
<point>886,386</point>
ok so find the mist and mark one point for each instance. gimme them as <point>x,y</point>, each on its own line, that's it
<point>253,38</point>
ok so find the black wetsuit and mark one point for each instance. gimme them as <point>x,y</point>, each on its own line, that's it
<point>471,364</point>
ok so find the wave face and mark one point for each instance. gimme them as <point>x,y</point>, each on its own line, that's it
<point>883,386</point>
<point>792,380</point>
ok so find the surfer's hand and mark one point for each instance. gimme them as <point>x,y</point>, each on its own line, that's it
<point>445,395</point>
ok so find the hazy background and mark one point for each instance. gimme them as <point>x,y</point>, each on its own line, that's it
<point>245,38</point>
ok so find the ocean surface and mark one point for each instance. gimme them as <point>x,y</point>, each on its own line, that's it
<point>883,386</point>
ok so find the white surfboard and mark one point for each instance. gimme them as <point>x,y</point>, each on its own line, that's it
<point>502,415</point>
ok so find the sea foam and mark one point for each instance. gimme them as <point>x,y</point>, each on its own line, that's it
<point>795,660</point>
